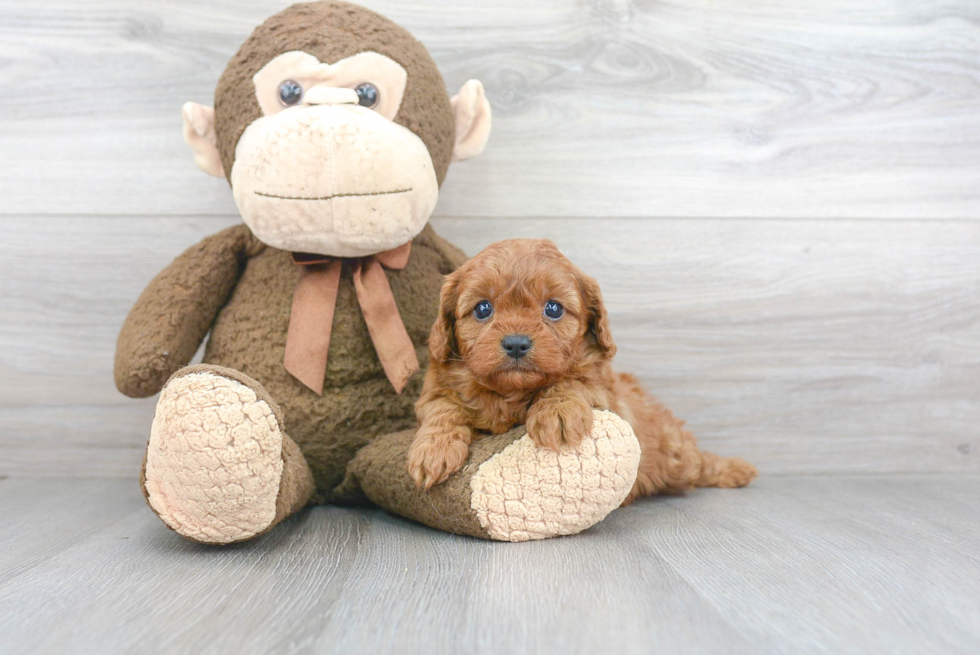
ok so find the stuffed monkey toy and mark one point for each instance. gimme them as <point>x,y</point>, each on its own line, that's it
<point>335,130</point>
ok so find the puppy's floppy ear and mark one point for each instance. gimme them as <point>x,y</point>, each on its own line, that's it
<point>442,339</point>
<point>598,318</point>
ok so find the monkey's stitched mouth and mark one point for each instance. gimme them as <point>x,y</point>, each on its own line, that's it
<point>336,195</point>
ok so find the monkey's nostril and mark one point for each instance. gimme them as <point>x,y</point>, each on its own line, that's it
<point>516,345</point>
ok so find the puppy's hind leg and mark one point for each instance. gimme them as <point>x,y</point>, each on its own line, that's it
<point>671,461</point>
<point>724,472</point>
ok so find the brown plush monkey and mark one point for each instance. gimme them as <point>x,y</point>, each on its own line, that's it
<point>334,128</point>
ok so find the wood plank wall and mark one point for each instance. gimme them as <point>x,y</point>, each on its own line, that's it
<point>781,200</point>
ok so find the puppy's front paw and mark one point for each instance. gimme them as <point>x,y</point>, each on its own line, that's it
<point>434,456</point>
<point>552,422</point>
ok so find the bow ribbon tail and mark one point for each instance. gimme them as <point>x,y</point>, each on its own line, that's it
<point>391,341</point>
<point>310,323</point>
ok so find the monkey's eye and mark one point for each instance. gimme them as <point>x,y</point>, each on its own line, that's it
<point>290,93</point>
<point>553,310</point>
<point>483,310</point>
<point>368,95</point>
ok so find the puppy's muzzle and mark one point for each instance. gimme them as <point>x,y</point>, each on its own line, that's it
<point>516,345</point>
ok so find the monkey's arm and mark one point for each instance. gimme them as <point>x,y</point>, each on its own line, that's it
<point>176,310</point>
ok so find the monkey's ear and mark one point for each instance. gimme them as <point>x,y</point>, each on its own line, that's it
<point>473,115</point>
<point>199,135</point>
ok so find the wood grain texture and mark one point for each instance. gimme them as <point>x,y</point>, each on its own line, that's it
<point>804,565</point>
<point>813,346</point>
<point>41,519</point>
<point>676,108</point>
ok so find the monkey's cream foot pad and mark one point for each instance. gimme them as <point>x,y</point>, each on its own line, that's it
<point>526,492</point>
<point>214,460</point>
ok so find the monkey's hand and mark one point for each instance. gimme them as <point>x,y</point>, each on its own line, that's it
<point>175,311</point>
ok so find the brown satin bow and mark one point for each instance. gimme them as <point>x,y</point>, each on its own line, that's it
<point>311,317</point>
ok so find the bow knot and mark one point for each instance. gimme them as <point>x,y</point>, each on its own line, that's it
<point>314,302</point>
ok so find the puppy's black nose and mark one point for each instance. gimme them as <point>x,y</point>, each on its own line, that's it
<point>516,345</point>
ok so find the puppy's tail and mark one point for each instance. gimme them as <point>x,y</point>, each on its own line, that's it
<point>725,472</point>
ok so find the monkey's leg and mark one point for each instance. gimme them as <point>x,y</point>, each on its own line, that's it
<point>509,489</point>
<point>219,466</point>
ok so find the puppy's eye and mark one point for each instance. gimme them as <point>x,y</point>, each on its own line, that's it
<point>368,95</point>
<point>290,93</point>
<point>553,310</point>
<point>483,310</point>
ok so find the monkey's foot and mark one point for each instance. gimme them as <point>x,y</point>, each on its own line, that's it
<point>219,467</point>
<point>509,489</point>
<point>527,492</point>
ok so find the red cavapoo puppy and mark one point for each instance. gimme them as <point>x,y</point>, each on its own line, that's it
<point>523,337</point>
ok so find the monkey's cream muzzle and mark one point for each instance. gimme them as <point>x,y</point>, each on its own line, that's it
<point>333,179</point>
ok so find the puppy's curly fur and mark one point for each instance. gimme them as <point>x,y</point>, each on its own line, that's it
<point>474,385</point>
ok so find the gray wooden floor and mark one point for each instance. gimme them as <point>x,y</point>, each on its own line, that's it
<point>781,200</point>
<point>815,564</point>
